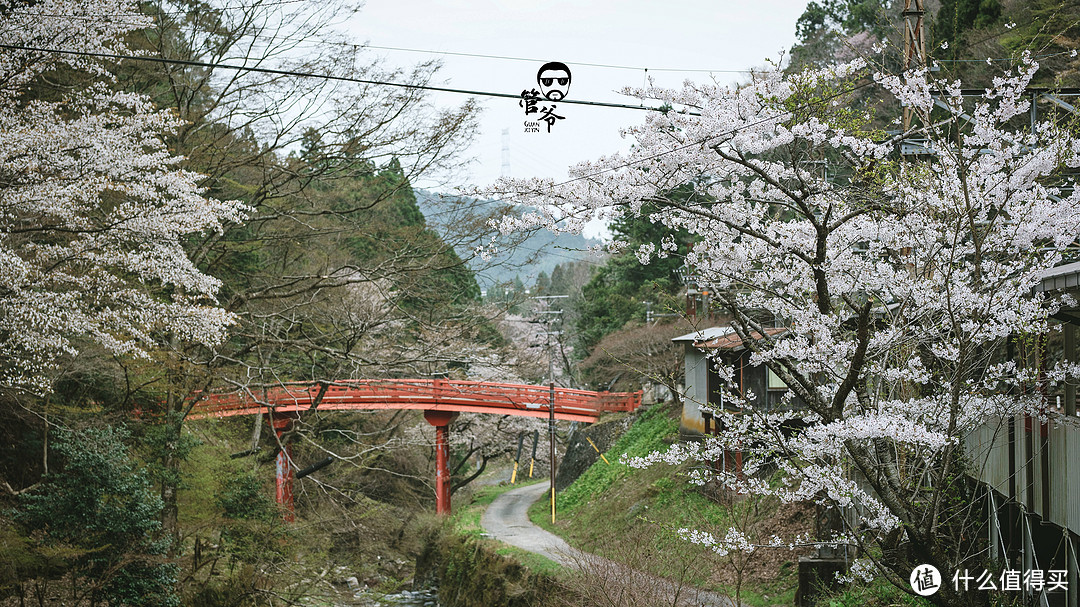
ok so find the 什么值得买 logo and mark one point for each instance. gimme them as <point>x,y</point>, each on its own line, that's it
<point>925,580</point>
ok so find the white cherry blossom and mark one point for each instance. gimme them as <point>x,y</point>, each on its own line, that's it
<point>93,207</point>
<point>897,283</point>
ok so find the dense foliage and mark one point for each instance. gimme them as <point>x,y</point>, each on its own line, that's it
<point>882,295</point>
<point>99,518</point>
<point>618,290</point>
<point>127,287</point>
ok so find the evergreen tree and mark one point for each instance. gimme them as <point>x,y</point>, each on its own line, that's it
<point>101,509</point>
<point>617,291</point>
<point>542,286</point>
<point>959,16</point>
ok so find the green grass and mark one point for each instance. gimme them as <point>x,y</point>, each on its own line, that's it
<point>466,521</point>
<point>620,513</point>
<point>878,593</point>
<point>644,437</point>
<point>536,562</point>
<point>761,597</point>
<point>662,485</point>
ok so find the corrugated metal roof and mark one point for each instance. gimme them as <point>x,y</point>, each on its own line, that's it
<point>718,337</point>
<point>731,340</point>
<point>1060,278</point>
<point>705,334</point>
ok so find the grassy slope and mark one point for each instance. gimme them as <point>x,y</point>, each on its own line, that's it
<point>623,513</point>
<point>628,514</point>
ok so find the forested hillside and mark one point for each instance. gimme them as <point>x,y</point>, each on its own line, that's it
<point>185,209</point>
<point>173,227</point>
<point>524,259</point>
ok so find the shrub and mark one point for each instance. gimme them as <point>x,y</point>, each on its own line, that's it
<point>100,510</point>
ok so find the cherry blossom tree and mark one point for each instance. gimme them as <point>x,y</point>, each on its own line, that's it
<point>93,207</point>
<point>895,283</point>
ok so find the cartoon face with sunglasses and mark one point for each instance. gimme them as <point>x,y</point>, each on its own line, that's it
<point>554,80</point>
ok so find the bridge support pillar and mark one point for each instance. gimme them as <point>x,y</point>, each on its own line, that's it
<point>284,478</point>
<point>441,420</point>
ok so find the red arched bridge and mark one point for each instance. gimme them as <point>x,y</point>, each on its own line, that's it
<point>440,399</point>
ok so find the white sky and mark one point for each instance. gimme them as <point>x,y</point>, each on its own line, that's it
<point>682,34</point>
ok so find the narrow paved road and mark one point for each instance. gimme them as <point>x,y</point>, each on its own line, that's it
<point>507,520</point>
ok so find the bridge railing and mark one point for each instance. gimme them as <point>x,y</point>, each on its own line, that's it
<point>427,394</point>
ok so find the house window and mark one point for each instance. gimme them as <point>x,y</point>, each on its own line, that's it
<point>776,389</point>
<point>775,383</point>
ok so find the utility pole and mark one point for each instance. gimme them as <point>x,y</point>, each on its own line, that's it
<point>551,422</point>
<point>914,44</point>
<point>521,441</point>
<point>532,462</point>
<point>688,277</point>
<point>650,316</point>
<point>551,391</point>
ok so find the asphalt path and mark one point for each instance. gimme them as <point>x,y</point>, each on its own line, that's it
<point>507,520</point>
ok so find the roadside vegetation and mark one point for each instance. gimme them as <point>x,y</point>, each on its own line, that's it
<point>633,516</point>
<point>474,570</point>
<point>203,229</point>
<point>466,521</point>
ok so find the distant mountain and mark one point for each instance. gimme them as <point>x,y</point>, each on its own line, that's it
<point>541,252</point>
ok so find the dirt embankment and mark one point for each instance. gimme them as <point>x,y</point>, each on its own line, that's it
<point>470,573</point>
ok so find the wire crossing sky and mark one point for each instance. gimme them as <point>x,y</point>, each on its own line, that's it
<point>482,44</point>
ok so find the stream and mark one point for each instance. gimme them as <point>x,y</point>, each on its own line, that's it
<point>428,597</point>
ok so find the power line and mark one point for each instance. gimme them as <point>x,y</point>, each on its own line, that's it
<point>704,140</point>
<point>584,259</point>
<point>995,60</point>
<point>732,131</point>
<point>509,58</point>
<point>628,164</point>
<point>281,72</point>
<point>136,16</point>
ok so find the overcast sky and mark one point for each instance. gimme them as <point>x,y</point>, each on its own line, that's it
<point>693,37</point>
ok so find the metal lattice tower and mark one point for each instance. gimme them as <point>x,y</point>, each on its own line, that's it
<point>505,170</point>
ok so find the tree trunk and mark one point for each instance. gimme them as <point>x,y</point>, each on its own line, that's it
<point>169,480</point>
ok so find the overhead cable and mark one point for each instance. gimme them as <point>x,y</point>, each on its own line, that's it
<point>576,63</point>
<point>280,72</point>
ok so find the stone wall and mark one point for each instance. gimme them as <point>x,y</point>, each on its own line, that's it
<point>580,454</point>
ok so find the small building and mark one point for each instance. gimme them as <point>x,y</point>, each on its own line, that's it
<point>702,382</point>
<point>1028,466</point>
